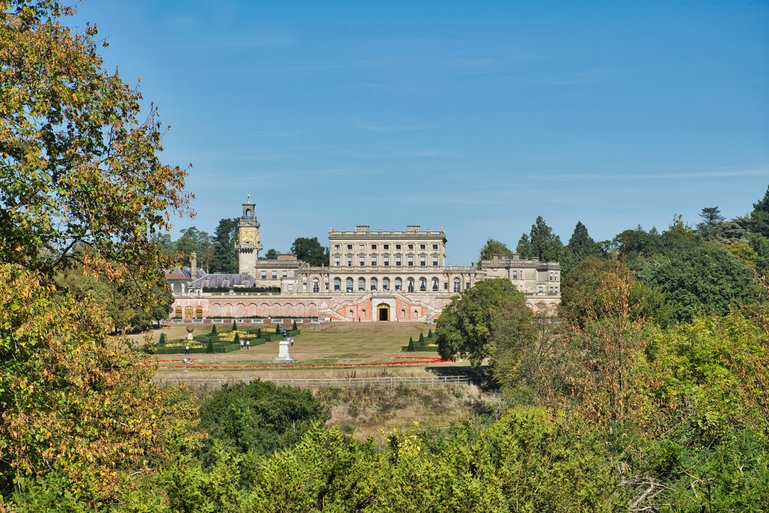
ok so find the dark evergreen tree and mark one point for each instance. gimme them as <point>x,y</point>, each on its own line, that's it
<point>759,217</point>
<point>581,245</point>
<point>213,330</point>
<point>225,260</point>
<point>524,248</point>
<point>163,339</point>
<point>711,224</point>
<point>234,326</point>
<point>310,251</point>
<point>210,346</point>
<point>545,245</point>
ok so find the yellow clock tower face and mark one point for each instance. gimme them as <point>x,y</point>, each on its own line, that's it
<point>247,235</point>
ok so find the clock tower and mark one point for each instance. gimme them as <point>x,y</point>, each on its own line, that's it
<point>248,244</point>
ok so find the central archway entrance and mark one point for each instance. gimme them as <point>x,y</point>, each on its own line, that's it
<point>383,312</point>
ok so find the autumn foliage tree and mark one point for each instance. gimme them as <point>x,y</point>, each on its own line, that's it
<point>79,168</point>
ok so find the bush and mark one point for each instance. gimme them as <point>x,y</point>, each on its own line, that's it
<point>293,325</point>
<point>210,346</point>
<point>163,339</point>
<point>410,347</point>
<point>268,417</point>
<point>258,332</point>
<point>213,330</point>
<point>430,333</point>
<point>236,340</point>
<point>421,339</point>
<point>234,326</point>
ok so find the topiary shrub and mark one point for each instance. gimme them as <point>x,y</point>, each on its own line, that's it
<point>293,325</point>
<point>410,347</point>
<point>430,333</point>
<point>213,330</point>
<point>234,326</point>
<point>163,339</point>
<point>258,332</point>
<point>421,339</point>
<point>236,340</point>
<point>210,346</point>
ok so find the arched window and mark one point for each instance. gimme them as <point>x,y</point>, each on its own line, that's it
<point>337,284</point>
<point>315,286</point>
<point>398,284</point>
<point>422,284</point>
<point>361,284</point>
<point>385,283</point>
<point>348,284</point>
<point>457,285</point>
<point>411,285</point>
<point>374,283</point>
<point>435,284</point>
<point>199,312</point>
<point>178,311</point>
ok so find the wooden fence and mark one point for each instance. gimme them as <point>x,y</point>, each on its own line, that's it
<point>387,381</point>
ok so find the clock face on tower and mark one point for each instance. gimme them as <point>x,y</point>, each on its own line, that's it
<point>247,235</point>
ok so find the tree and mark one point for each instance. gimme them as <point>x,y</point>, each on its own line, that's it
<point>77,169</point>
<point>310,251</point>
<point>76,164</point>
<point>491,314</point>
<point>195,241</point>
<point>272,254</point>
<point>259,416</point>
<point>703,278</point>
<point>225,260</point>
<point>494,248</point>
<point>541,243</point>
<point>524,248</point>
<point>581,245</point>
<point>710,226</point>
<point>758,222</point>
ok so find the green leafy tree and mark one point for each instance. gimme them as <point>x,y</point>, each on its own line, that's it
<point>225,260</point>
<point>310,251</point>
<point>541,243</point>
<point>524,248</point>
<point>491,313</point>
<point>494,248</point>
<point>199,242</point>
<point>259,416</point>
<point>581,245</point>
<point>272,254</point>
<point>703,279</point>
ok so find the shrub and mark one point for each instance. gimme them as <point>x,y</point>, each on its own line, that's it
<point>410,347</point>
<point>293,325</point>
<point>258,332</point>
<point>421,339</point>
<point>210,346</point>
<point>213,330</point>
<point>430,333</point>
<point>236,340</point>
<point>163,339</point>
<point>234,326</point>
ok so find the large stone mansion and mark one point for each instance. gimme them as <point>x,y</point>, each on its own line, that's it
<point>373,275</point>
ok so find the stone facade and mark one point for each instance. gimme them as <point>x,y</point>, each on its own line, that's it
<point>373,275</point>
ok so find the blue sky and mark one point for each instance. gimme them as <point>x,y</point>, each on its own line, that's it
<point>471,116</point>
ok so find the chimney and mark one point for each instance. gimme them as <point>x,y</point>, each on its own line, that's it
<point>193,265</point>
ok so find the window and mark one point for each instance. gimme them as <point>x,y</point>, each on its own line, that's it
<point>348,284</point>
<point>373,262</point>
<point>457,285</point>
<point>274,275</point>
<point>373,246</point>
<point>398,284</point>
<point>435,284</point>
<point>422,284</point>
<point>422,262</point>
<point>410,260</point>
<point>422,246</point>
<point>361,261</point>
<point>336,261</point>
<point>349,246</point>
<point>411,246</point>
<point>349,261</point>
<point>411,285</point>
<point>361,284</point>
<point>514,275</point>
<point>315,286</point>
<point>435,261</point>
<point>374,283</point>
<point>385,283</point>
<point>285,274</point>
<point>264,275</point>
<point>337,284</point>
<point>386,260</point>
<point>397,261</point>
<point>435,246</point>
<point>336,246</point>
<point>360,247</point>
<point>397,246</point>
<point>445,285</point>
<point>386,246</point>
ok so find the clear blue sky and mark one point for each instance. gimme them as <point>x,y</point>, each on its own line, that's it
<point>471,116</point>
